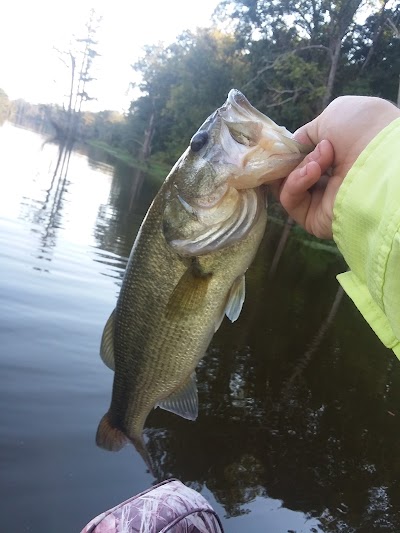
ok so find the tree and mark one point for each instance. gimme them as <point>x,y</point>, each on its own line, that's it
<point>309,33</point>
<point>181,85</point>
<point>373,56</point>
<point>4,106</point>
<point>80,55</point>
<point>87,56</point>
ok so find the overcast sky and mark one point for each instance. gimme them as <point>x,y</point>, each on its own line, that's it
<point>30,67</point>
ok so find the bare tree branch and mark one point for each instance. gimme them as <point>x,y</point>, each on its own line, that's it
<point>391,24</point>
<point>285,101</point>
<point>273,64</point>
<point>375,38</point>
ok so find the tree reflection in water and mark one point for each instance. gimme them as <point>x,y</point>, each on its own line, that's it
<point>296,403</point>
<point>298,400</point>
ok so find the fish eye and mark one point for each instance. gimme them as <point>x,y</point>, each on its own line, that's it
<point>199,140</point>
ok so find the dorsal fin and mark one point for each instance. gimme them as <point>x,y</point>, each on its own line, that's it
<point>107,343</point>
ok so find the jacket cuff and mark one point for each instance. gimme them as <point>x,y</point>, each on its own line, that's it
<point>373,314</point>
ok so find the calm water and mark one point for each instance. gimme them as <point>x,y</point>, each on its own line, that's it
<point>299,403</point>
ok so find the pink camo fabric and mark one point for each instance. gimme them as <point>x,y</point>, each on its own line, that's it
<point>169,507</point>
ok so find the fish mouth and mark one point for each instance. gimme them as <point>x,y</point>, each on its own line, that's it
<point>237,115</point>
<point>242,148</point>
<point>235,109</point>
<point>240,116</point>
<point>237,104</point>
<point>264,151</point>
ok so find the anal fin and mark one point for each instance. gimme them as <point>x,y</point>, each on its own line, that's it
<point>184,402</point>
<point>236,298</point>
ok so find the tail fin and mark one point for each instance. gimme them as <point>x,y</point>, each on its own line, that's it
<point>113,439</point>
<point>108,436</point>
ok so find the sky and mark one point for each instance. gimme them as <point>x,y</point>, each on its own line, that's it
<point>30,67</point>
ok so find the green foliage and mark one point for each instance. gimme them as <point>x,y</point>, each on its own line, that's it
<point>376,73</point>
<point>289,57</point>
<point>289,87</point>
<point>182,85</point>
<point>293,49</point>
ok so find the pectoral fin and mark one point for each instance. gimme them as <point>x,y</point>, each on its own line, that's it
<point>189,293</point>
<point>236,299</point>
<point>107,343</point>
<point>184,402</point>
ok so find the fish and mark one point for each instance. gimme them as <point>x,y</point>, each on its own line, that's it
<point>187,267</point>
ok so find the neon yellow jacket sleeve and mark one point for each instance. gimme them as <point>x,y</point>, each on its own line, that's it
<point>366,228</point>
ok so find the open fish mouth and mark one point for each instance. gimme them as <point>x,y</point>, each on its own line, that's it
<point>264,151</point>
<point>236,147</point>
<point>237,104</point>
<point>247,124</point>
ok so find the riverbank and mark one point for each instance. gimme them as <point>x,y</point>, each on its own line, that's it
<point>155,168</point>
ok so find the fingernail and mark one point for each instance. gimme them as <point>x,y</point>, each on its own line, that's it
<point>316,153</point>
<point>303,171</point>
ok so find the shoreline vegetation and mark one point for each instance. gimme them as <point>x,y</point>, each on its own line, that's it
<point>290,59</point>
<point>117,153</point>
<point>155,169</point>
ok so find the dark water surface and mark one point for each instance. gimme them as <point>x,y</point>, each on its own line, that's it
<point>298,428</point>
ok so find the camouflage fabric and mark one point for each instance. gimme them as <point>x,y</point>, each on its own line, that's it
<point>169,507</point>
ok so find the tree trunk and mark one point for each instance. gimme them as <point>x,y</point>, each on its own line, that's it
<point>143,158</point>
<point>340,24</point>
<point>335,56</point>
<point>376,36</point>
<point>398,94</point>
<point>71,90</point>
<point>148,137</point>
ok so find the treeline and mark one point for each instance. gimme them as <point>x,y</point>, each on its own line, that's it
<point>103,126</point>
<point>290,58</point>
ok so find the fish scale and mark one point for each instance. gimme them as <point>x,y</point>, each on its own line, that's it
<point>178,284</point>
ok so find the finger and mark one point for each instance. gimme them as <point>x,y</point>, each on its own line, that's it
<point>300,180</point>
<point>323,154</point>
<point>295,196</point>
<point>296,175</point>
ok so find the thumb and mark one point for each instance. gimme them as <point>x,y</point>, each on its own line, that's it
<point>308,134</point>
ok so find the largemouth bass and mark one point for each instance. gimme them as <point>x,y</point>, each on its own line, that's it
<point>187,266</point>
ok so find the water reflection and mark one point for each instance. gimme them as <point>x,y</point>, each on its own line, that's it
<point>299,409</point>
<point>119,219</point>
<point>299,402</point>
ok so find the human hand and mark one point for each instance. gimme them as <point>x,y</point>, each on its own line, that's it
<point>340,133</point>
